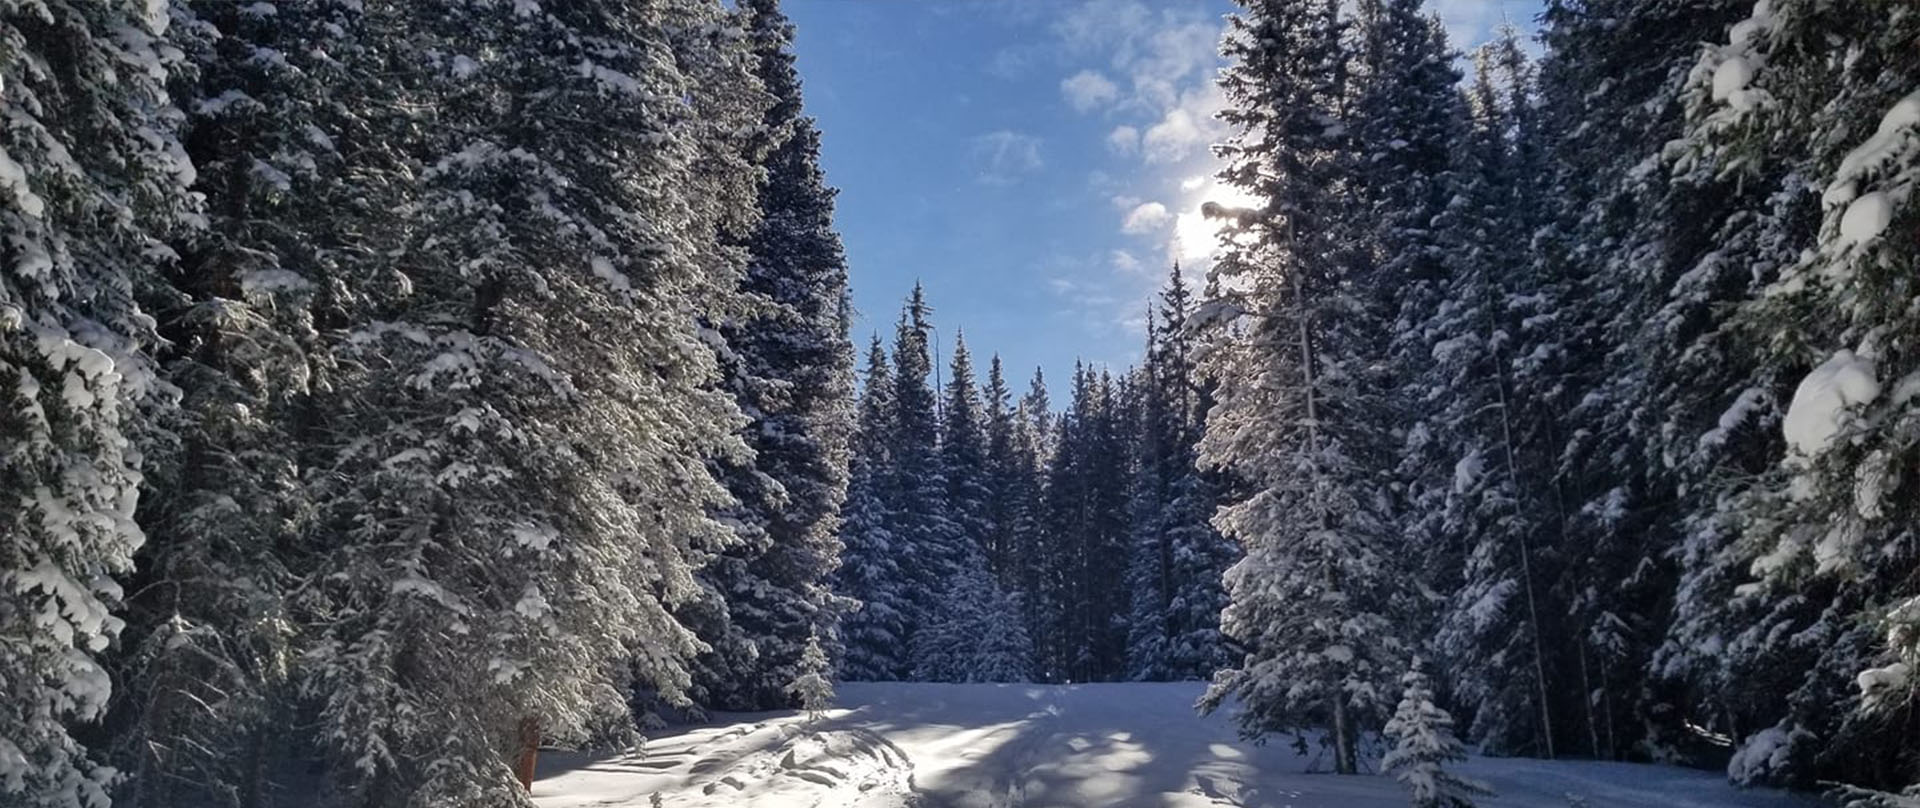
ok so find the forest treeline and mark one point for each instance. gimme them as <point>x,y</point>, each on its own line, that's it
<point>1589,378</point>
<point>391,385</point>
<point>1594,382</point>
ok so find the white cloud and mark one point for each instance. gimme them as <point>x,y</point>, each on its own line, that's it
<point>1002,157</point>
<point>1123,140</point>
<point>1146,218</point>
<point>1186,130</point>
<point>1124,261</point>
<point>1088,89</point>
<point>1009,63</point>
<point>1172,138</point>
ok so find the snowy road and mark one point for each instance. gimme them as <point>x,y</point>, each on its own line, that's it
<point>998,746</point>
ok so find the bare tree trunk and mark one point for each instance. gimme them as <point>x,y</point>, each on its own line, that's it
<point>1344,742</point>
<point>1586,698</point>
<point>1606,695</point>
<point>528,758</point>
<point>1526,558</point>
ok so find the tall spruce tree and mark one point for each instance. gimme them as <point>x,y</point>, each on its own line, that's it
<point>871,572</point>
<point>1035,442</point>
<point>513,511</point>
<point>975,632</point>
<point>1313,600</point>
<point>211,634</point>
<point>931,547</point>
<point>1826,531</point>
<point>1009,475</point>
<point>1177,557</point>
<point>789,370</point>
<point>95,182</point>
<point>1493,635</point>
<point>1082,613</point>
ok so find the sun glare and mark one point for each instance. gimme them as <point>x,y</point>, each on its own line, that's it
<point>1195,237</point>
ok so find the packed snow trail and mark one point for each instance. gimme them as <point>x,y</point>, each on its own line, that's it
<point>1057,746</point>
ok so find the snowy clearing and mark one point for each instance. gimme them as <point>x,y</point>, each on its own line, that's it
<point>997,746</point>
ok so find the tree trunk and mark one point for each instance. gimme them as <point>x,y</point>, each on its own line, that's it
<point>1526,557</point>
<point>528,758</point>
<point>1586,698</point>
<point>1345,753</point>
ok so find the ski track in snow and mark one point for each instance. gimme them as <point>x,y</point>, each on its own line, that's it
<point>1058,746</point>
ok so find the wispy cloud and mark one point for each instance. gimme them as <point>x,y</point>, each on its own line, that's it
<point>1003,157</point>
<point>1147,217</point>
<point>1088,89</point>
<point>1148,69</point>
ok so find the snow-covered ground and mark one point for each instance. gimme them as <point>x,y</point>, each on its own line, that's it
<point>989,746</point>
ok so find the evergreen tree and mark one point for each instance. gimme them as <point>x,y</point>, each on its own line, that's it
<point>513,512</point>
<point>1493,634</point>
<point>1827,530</point>
<point>1631,356</point>
<point>963,454</point>
<point>789,371</point>
<point>1423,739</point>
<point>870,573</point>
<point>1314,598</point>
<point>1177,557</point>
<point>95,183</point>
<point>1034,442</point>
<point>930,546</point>
<point>1009,476</point>
<point>977,632</point>
<point>812,689</point>
<point>1083,616</point>
<point>210,632</point>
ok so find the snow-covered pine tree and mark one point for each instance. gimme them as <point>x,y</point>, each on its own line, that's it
<point>511,509</point>
<point>1493,635</point>
<point>1622,341</point>
<point>812,689</point>
<point>942,641</point>
<point>1033,452</point>
<point>1150,556</point>
<point>1178,558</point>
<point>1064,523</point>
<point>1598,350</point>
<point>1828,531</point>
<point>1409,119</point>
<point>1084,550</point>
<point>95,182</point>
<point>977,633</point>
<point>789,369</point>
<point>1313,600</point>
<point>930,546</point>
<point>963,453</point>
<point>1423,743</point>
<point>210,636</point>
<point>875,633</point>
<point>1007,476</point>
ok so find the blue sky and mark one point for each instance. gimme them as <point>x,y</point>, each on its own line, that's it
<point>1037,164</point>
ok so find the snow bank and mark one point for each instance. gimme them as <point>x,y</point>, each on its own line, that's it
<point>1767,756</point>
<point>1821,402</point>
<point>894,745</point>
